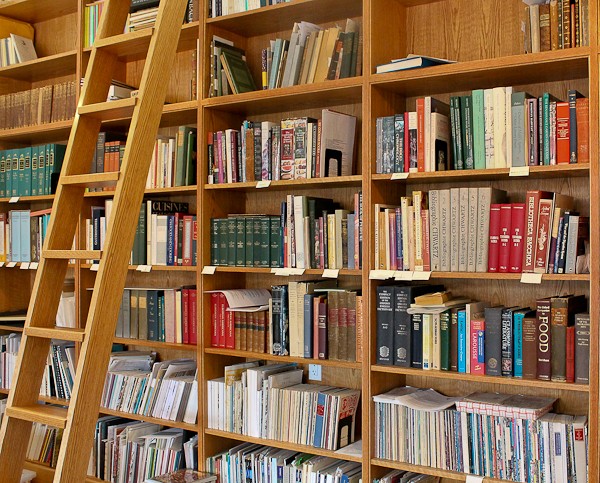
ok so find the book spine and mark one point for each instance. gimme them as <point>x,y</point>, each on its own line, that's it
<point>385,325</point>
<point>516,237</point>
<point>421,135</point>
<point>462,341</point>
<point>583,130</point>
<point>518,344</point>
<point>504,238</point>
<point>477,347</point>
<point>582,348</point>
<point>532,200</point>
<point>530,348</point>
<point>493,341</point>
<point>417,341</point>
<point>570,355</point>
<point>573,138</point>
<point>544,338</point>
<point>507,343</point>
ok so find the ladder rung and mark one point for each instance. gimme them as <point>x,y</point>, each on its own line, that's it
<point>111,110</point>
<point>59,333</point>
<point>94,180</point>
<point>40,413</point>
<point>75,254</point>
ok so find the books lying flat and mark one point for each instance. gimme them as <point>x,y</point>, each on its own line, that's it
<point>411,62</point>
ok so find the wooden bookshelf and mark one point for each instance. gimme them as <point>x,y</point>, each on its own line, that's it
<point>482,35</point>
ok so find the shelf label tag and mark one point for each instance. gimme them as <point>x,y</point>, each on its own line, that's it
<point>11,264</point>
<point>396,176</point>
<point>33,266</point>
<point>331,273</point>
<point>531,278</point>
<point>145,268</point>
<point>381,274</point>
<point>519,171</point>
<point>421,275</point>
<point>24,266</point>
<point>280,272</point>
<point>265,183</point>
<point>1,264</point>
<point>14,199</point>
<point>95,267</point>
<point>209,270</point>
<point>403,275</point>
<point>474,479</point>
<point>295,271</point>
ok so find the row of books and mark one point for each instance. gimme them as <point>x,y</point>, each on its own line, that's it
<point>44,444</point>
<point>217,8</point>
<point>475,230</point>
<point>403,476</point>
<point>490,128</point>
<point>294,148</point>
<point>549,343</point>
<point>313,319</point>
<point>263,463</point>
<point>556,24</point>
<point>166,233</point>
<point>135,384</point>
<point>278,406</point>
<point>420,426</point>
<point>163,315</point>
<point>136,452</point>
<point>9,348</point>
<point>31,171</point>
<point>312,54</point>
<point>16,50</point>
<point>22,235</point>
<point>42,105</point>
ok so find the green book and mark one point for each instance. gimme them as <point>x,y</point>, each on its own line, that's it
<point>256,251</point>
<point>180,168</point>
<point>457,151</point>
<point>2,174</point>
<point>237,72</point>
<point>265,241</point>
<point>21,190</point>
<point>223,241</point>
<point>275,241</point>
<point>190,159</point>
<point>41,188</point>
<point>14,166</point>
<point>27,172</point>
<point>478,129</point>
<point>8,173</point>
<point>546,99</point>
<point>34,170</point>
<point>240,242</point>
<point>466,118</point>
<point>445,340</point>
<point>55,154</point>
<point>231,233</point>
<point>214,241</point>
<point>249,242</point>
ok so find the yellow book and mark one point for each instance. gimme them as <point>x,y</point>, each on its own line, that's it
<point>315,57</point>
<point>11,26</point>
<point>331,241</point>
<point>327,46</point>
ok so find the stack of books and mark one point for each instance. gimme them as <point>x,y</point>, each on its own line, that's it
<point>295,148</point>
<point>92,14</point>
<point>163,315</point>
<point>22,235</point>
<point>490,128</point>
<point>477,230</point>
<point>507,440</point>
<point>15,50</point>
<point>271,391</point>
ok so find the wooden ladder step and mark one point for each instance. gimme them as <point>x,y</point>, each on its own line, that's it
<point>59,333</point>
<point>54,416</point>
<point>110,110</point>
<point>94,180</point>
<point>75,254</point>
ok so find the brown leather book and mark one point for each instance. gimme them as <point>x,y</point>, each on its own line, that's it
<point>545,35</point>
<point>544,347</point>
<point>562,311</point>
<point>332,325</point>
<point>554,25</point>
<point>351,341</point>
<point>359,328</point>
<point>342,349</point>
<point>530,343</point>
<point>237,333</point>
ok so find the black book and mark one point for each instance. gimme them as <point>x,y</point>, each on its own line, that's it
<point>137,5</point>
<point>507,348</point>
<point>417,341</point>
<point>279,319</point>
<point>582,348</point>
<point>385,324</point>
<point>493,340</point>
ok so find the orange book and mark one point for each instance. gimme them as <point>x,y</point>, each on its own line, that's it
<point>583,130</point>
<point>562,133</point>
<point>421,135</point>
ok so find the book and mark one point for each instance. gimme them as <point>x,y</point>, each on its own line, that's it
<point>412,61</point>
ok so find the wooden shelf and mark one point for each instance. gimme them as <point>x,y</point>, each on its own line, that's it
<point>555,65</point>
<point>156,344</point>
<point>37,10</point>
<point>546,277</point>
<point>30,199</point>
<point>320,94</point>
<point>155,268</point>
<point>428,470</point>
<point>507,381</point>
<point>282,359</point>
<point>280,444</point>
<point>177,190</point>
<point>149,419</point>
<point>308,271</point>
<point>134,45</point>
<point>49,67</point>
<point>45,474</point>
<point>281,185</point>
<point>281,17</point>
<point>6,327</point>
<point>39,134</point>
<point>535,172</point>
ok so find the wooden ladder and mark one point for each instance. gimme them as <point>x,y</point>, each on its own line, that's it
<point>96,338</point>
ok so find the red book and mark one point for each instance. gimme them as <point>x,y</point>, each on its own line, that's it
<point>316,302</point>
<point>571,354</point>
<point>185,311</point>
<point>392,241</point>
<point>544,229</point>
<point>583,129</point>
<point>504,243</point>
<point>406,145</point>
<point>563,133</point>
<point>214,320</point>
<point>193,308</point>
<point>322,321</point>
<point>421,135</point>
<point>544,345</point>
<point>532,202</point>
<point>517,222</point>
<point>494,246</point>
<point>477,341</point>
<point>222,319</point>
<point>426,256</point>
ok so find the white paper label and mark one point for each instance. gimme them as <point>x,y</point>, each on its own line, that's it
<point>263,184</point>
<point>381,274</point>
<point>531,278</point>
<point>331,273</point>
<point>209,270</point>
<point>404,276</point>
<point>146,268</point>
<point>281,272</point>
<point>24,266</point>
<point>14,199</point>
<point>421,275</point>
<point>295,271</point>
<point>33,265</point>
<point>95,267</point>
<point>400,176</point>
<point>1,264</point>
<point>474,479</point>
<point>11,264</point>
<point>519,171</point>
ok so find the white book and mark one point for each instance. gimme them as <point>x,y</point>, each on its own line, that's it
<point>580,447</point>
<point>499,101</point>
<point>463,230</point>
<point>488,114</point>
<point>472,229</point>
<point>434,229</point>
<point>508,117</point>
<point>294,38</point>
<point>418,234</point>
<point>446,236</point>
<point>191,410</point>
<point>436,335</point>
<point>300,211</point>
<point>160,243</point>
<point>23,48</point>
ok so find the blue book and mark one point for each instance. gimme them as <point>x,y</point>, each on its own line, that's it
<point>411,62</point>
<point>351,218</point>
<point>26,189</point>
<point>308,325</point>
<point>518,317</point>
<point>41,177</point>
<point>319,422</point>
<point>34,171</point>
<point>25,227</point>
<point>170,241</point>
<point>462,341</point>
<point>14,166</point>
<point>152,307</point>
<point>7,183</point>
<point>2,174</point>
<point>160,312</point>
<point>558,243</point>
<point>573,95</point>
